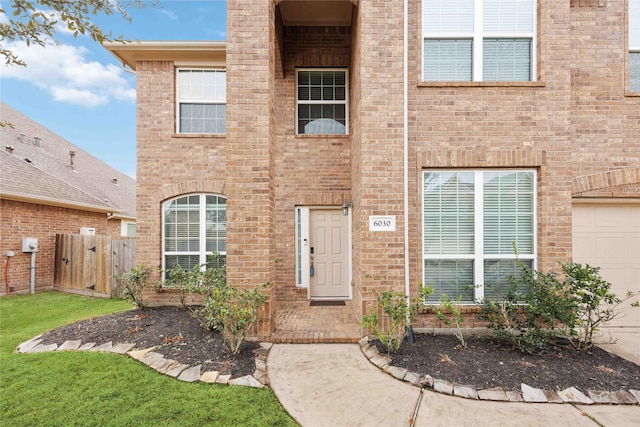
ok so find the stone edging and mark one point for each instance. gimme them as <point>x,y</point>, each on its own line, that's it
<point>528,394</point>
<point>157,361</point>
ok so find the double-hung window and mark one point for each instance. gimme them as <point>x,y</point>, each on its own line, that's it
<point>321,101</point>
<point>128,229</point>
<point>634,45</point>
<point>471,222</point>
<point>194,227</point>
<point>478,40</point>
<point>202,97</point>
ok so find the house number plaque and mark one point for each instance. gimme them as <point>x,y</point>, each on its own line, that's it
<point>382,223</point>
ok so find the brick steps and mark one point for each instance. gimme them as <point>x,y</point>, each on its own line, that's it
<point>300,323</point>
<point>310,337</point>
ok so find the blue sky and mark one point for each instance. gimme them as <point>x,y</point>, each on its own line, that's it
<point>78,89</point>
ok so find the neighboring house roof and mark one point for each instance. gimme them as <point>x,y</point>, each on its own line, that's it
<point>35,166</point>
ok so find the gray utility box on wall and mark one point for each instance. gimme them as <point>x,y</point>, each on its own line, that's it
<point>29,244</point>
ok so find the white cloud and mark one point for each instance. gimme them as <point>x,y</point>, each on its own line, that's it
<point>68,75</point>
<point>168,14</point>
<point>76,96</point>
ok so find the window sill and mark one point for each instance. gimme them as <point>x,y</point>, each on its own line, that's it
<point>471,308</point>
<point>632,93</point>
<point>482,84</point>
<point>322,135</point>
<point>166,290</point>
<point>199,135</point>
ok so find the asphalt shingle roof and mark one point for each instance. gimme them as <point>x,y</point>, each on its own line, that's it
<point>40,170</point>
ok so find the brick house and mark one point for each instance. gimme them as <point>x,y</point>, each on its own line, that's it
<point>339,148</point>
<point>49,186</point>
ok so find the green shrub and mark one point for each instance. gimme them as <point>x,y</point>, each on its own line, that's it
<point>392,329</point>
<point>180,279</point>
<point>528,319</point>
<point>593,301</point>
<point>226,309</point>
<point>232,312</point>
<point>134,283</point>
<point>197,280</point>
<point>534,319</point>
<point>450,312</point>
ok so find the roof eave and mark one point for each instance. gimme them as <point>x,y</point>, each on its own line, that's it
<point>42,200</point>
<point>186,51</point>
<point>123,216</point>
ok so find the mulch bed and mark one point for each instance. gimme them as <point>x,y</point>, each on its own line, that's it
<point>174,331</point>
<point>487,363</point>
<point>484,363</point>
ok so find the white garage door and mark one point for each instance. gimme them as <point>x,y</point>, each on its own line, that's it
<point>608,236</point>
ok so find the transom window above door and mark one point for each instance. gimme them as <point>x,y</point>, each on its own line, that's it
<point>321,101</point>
<point>478,40</point>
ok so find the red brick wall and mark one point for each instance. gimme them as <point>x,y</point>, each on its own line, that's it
<point>315,170</point>
<point>379,160</point>
<point>605,120</point>
<point>575,125</point>
<point>487,125</point>
<point>20,219</point>
<point>169,165</point>
<point>250,167</point>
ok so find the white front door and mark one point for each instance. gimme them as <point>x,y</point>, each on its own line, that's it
<point>329,254</point>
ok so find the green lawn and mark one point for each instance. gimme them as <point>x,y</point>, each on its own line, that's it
<point>81,388</point>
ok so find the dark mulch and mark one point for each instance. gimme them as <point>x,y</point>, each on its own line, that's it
<point>177,335</point>
<point>486,363</point>
<point>174,332</point>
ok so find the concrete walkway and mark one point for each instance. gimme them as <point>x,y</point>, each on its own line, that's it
<point>335,385</point>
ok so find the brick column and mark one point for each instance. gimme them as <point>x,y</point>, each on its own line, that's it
<point>378,157</point>
<point>250,203</point>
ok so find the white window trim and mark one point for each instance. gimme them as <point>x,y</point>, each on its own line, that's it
<point>479,256</point>
<point>345,102</point>
<point>478,36</point>
<point>634,44</point>
<point>202,249</point>
<point>179,100</point>
<point>302,247</point>
<point>124,232</point>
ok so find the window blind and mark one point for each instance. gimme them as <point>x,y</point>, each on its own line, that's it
<point>508,16</point>
<point>448,213</point>
<point>447,16</point>
<point>471,219</point>
<point>508,212</point>
<point>216,226</point>
<point>506,60</point>
<point>634,25</point>
<point>186,262</point>
<point>496,277</point>
<point>634,71</point>
<point>202,85</point>
<point>203,118</point>
<point>448,60</point>
<point>201,96</point>
<point>193,227</point>
<point>451,277</point>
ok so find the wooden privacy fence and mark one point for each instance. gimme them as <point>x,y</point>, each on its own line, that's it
<point>91,264</point>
